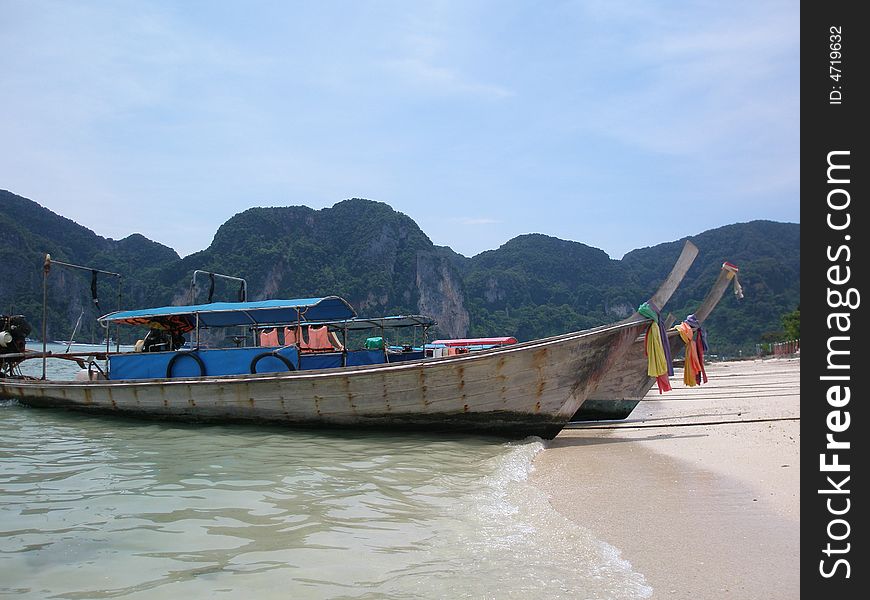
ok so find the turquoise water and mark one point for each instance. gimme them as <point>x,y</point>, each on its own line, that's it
<point>110,508</point>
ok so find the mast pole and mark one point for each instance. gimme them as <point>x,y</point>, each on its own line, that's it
<point>46,267</point>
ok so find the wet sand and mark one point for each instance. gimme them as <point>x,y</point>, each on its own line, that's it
<point>699,488</point>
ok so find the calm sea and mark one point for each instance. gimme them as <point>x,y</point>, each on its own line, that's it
<point>96,507</point>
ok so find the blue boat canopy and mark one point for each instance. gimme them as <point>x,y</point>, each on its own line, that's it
<point>228,314</point>
<point>392,322</point>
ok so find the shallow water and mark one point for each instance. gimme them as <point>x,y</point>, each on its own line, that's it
<point>112,508</point>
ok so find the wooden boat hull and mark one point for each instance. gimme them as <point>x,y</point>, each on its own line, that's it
<point>532,388</point>
<point>622,389</point>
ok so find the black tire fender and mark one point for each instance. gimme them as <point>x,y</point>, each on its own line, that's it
<point>190,353</point>
<point>275,354</point>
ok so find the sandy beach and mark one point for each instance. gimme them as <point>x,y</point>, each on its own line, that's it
<point>699,488</point>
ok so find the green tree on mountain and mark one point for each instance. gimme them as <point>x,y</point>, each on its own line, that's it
<point>791,322</point>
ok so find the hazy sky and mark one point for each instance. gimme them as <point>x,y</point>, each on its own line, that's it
<point>619,124</point>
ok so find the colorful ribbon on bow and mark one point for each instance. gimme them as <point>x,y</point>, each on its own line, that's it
<point>656,348</point>
<point>696,344</point>
<point>732,274</point>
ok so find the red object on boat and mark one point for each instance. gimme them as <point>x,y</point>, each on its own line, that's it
<point>492,341</point>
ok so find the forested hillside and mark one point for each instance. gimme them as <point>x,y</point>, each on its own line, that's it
<point>379,260</point>
<point>28,232</point>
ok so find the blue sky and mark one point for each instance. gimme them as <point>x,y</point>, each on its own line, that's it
<point>619,124</point>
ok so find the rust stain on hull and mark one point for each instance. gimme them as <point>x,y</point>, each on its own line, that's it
<point>385,394</point>
<point>460,373</point>
<point>421,376</point>
<point>540,359</point>
<point>501,378</point>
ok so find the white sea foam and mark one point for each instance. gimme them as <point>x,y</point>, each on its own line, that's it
<point>502,539</point>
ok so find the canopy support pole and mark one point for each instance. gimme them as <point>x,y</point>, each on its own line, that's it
<point>46,267</point>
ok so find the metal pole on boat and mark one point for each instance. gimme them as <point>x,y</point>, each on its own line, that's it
<point>243,292</point>
<point>117,327</point>
<point>46,267</point>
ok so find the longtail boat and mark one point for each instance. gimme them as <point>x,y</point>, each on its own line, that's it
<point>526,389</point>
<point>620,391</point>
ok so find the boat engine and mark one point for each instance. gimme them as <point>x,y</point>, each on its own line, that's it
<point>14,330</point>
